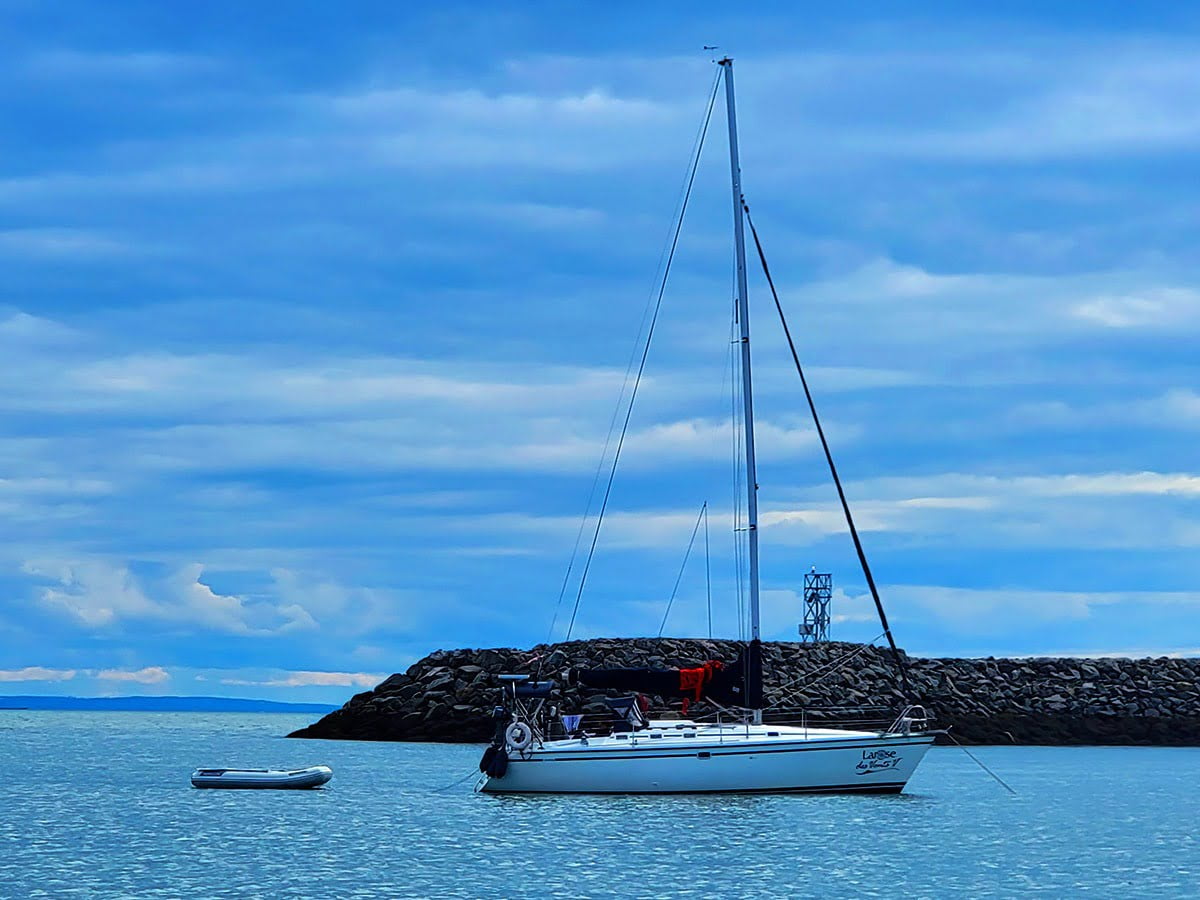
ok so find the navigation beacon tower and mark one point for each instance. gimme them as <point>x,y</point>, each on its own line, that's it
<point>818,592</point>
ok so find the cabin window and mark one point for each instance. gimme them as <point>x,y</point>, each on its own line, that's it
<point>772,734</point>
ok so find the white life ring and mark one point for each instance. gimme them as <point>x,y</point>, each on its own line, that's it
<point>518,735</point>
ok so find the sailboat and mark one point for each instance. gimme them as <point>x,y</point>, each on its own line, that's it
<point>537,751</point>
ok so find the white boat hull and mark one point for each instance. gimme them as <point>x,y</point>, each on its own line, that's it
<point>788,761</point>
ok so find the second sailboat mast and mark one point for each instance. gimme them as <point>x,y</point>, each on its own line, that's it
<point>754,675</point>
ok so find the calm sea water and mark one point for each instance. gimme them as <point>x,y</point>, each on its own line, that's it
<point>99,804</point>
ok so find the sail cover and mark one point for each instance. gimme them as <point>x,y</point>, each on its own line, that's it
<point>722,682</point>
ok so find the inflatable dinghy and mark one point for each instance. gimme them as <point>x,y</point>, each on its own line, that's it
<point>313,776</point>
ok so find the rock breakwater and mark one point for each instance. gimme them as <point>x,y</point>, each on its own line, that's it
<point>448,695</point>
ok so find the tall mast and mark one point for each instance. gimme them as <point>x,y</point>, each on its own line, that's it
<point>754,654</point>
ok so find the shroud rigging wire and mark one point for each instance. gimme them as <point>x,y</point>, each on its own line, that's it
<point>670,258</point>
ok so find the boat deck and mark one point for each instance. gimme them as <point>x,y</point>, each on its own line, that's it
<point>676,734</point>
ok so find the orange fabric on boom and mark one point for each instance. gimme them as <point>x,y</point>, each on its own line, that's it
<point>692,681</point>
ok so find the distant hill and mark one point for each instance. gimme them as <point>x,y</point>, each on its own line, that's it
<point>161,704</point>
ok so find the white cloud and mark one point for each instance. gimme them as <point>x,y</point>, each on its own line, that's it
<point>974,612</point>
<point>148,67</point>
<point>93,592</point>
<point>175,178</point>
<point>62,244</point>
<point>1173,652</point>
<point>20,331</point>
<point>1067,510</point>
<point>782,610</point>
<point>908,305</point>
<point>311,679</point>
<point>221,612</point>
<point>1101,97</point>
<point>347,610</point>
<point>1115,510</point>
<point>54,487</point>
<point>395,125</point>
<point>1176,409</point>
<point>980,610</point>
<point>211,411</point>
<point>1155,307</point>
<point>621,529</point>
<point>1111,484</point>
<point>986,611</point>
<point>1180,404</point>
<point>544,216</point>
<point>1098,99</point>
<point>807,525</point>
<point>37,673</point>
<point>397,106</point>
<point>97,593</point>
<point>971,490</point>
<point>147,675</point>
<point>116,421</point>
<point>428,128</point>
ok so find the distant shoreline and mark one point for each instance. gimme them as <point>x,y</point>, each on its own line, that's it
<point>34,703</point>
<point>301,711</point>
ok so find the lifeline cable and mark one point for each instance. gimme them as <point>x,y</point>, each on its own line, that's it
<point>862,556</point>
<point>691,180</point>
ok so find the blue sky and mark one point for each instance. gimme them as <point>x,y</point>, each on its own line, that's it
<point>312,326</point>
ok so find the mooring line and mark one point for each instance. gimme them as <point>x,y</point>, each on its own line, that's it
<point>979,763</point>
<point>455,784</point>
